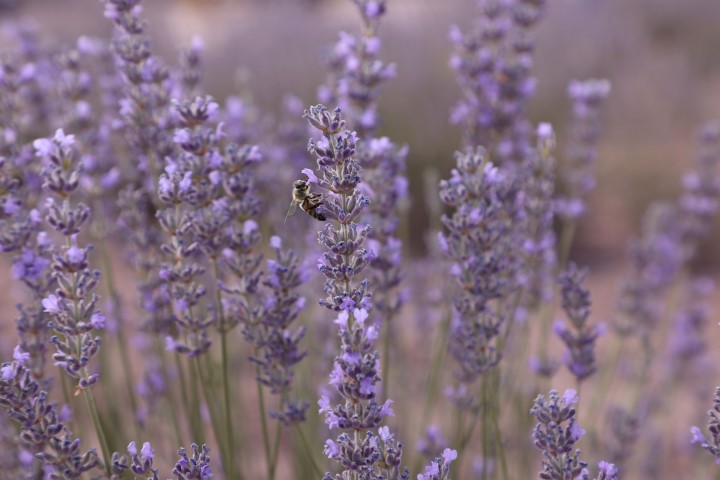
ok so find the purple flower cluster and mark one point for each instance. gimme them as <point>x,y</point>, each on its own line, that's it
<point>556,434</point>
<point>357,75</point>
<point>580,341</point>
<point>145,109</point>
<point>493,62</point>
<point>41,430</point>
<point>700,199</point>
<point>482,240</point>
<point>578,180</point>
<point>205,189</point>
<point>439,469</point>
<point>277,345</point>
<point>671,232</point>
<point>143,464</point>
<point>196,467</point>
<point>73,306</point>
<point>623,433</point>
<point>538,187</point>
<point>711,444</point>
<point>356,369</point>
<point>356,72</point>
<point>687,341</point>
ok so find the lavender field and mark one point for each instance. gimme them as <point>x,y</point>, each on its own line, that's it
<point>359,239</point>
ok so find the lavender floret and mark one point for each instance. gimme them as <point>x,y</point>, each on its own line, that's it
<point>711,443</point>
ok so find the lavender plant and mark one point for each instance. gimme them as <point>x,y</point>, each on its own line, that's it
<point>493,62</point>
<point>588,98</point>
<point>356,77</point>
<point>356,369</point>
<point>41,431</point>
<point>712,442</point>
<point>73,306</point>
<point>580,343</point>
<point>556,434</point>
<point>148,166</point>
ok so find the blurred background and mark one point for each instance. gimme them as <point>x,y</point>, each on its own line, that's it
<point>659,54</point>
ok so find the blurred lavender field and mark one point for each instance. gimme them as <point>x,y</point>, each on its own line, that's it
<point>547,290</point>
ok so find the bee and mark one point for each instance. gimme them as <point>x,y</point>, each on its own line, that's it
<point>309,202</point>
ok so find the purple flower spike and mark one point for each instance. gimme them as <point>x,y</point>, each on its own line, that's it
<point>356,368</point>
<point>712,442</point>
<point>555,435</point>
<point>580,341</point>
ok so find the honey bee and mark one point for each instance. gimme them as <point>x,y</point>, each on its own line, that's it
<point>309,202</point>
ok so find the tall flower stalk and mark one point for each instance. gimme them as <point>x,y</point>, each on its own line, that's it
<point>556,434</point>
<point>493,62</point>
<point>482,240</point>
<point>357,76</point>
<point>73,310</point>
<point>41,430</point>
<point>577,176</point>
<point>580,340</point>
<point>364,449</point>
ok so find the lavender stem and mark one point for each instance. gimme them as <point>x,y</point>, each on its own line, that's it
<point>264,425</point>
<point>308,451</point>
<point>211,410</point>
<point>230,468</point>
<point>122,341</point>
<point>90,401</point>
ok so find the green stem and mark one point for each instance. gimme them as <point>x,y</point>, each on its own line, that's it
<point>264,426</point>
<point>605,382</point>
<point>172,414</point>
<point>309,452</point>
<point>121,339</point>
<point>485,429</point>
<point>276,447</point>
<point>225,368</point>
<point>500,445</point>
<point>195,418</point>
<point>566,238</point>
<point>438,363</point>
<point>90,401</point>
<point>495,417</point>
<point>213,414</point>
<point>386,359</point>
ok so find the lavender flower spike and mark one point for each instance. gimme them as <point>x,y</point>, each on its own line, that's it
<point>72,307</point>
<point>482,241</point>
<point>556,434</point>
<point>143,464</point>
<point>580,358</point>
<point>196,467</point>
<point>359,449</point>
<point>41,430</point>
<point>711,444</point>
<point>493,63</point>
<point>439,469</point>
<point>588,99</point>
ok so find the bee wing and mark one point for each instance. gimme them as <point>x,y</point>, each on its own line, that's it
<point>291,210</point>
